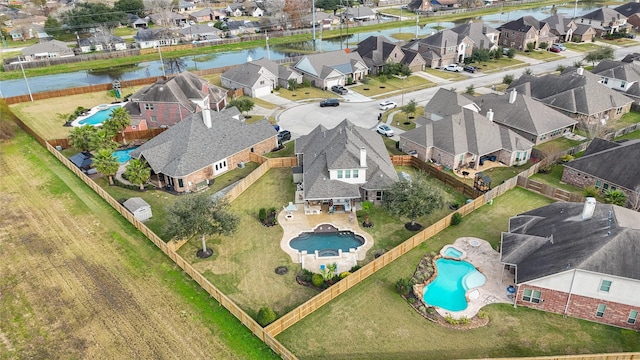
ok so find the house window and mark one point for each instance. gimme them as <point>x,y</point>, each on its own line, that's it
<point>623,84</point>
<point>619,111</point>
<point>180,184</point>
<point>531,296</point>
<point>355,174</point>
<point>605,80</point>
<point>598,184</point>
<point>633,316</point>
<point>601,310</point>
<point>153,119</point>
<point>605,285</point>
<point>379,195</point>
<point>605,187</point>
<point>347,174</point>
<point>339,174</point>
<point>261,82</point>
<point>148,106</point>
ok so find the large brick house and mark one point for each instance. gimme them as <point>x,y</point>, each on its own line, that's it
<point>377,51</point>
<point>578,260</point>
<point>168,102</point>
<point>607,165</point>
<point>190,154</point>
<point>527,29</point>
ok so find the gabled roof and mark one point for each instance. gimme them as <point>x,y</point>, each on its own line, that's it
<point>614,163</point>
<point>153,34</point>
<point>185,89</point>
<point>524,114</point>
<point>102,40</point>
<point>410,55</point>
<point>627,71</point>
<point>628,9</point>
<point>572,92</point>
<point>360,11</point>
<point>200,29</point>
<point>523,24</point>
<point>242,24</point>
<point>339,148</point>
<point>446,102</point>
<point>559,24</point>
<point>554,239</point>
<point>135,203</point>
<point>324,65</point>
<point>376,49</point>
<point>190,145</point>
<point>205,12</point>
<point>476,31</point>
<point>52,46</point>
<point>581,29</point>
<point>439,40</point>
<point>82,160</point>
<point>250,73</point>
<point>604,14</point>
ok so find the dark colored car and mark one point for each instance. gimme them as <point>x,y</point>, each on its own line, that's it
<point>470,68</point>
<point>284,135</point>
<point>329,102</point>
<point>555,49</point>
<point>339,89</point>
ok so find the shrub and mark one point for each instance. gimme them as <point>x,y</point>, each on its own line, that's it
<point>456,219</point>
<point>355,268</point>
<point>507,79</point>
<point>616,197</point>
<point>413,300</point>
<point>590,191</point>
<point>306,275</point>
<point>403,286</point>
<point>471,90</point>
<point>317,280</point>
<point>365,80</point>
<point>464,320</point>
<point>482,314</point>
<point>566,158</point>
<point>344,274</point>
<point>266,316</point>
<point>262,214</point>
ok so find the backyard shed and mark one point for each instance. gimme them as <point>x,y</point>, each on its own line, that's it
<point>139,208</point>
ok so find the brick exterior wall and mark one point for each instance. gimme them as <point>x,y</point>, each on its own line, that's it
<point>583,180</point>
<point>582,307</point>
<point>612,113</point>
<point>166,114</point>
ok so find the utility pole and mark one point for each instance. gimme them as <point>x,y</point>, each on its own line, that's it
<point>417,24</point>
<point>267,39</point>
<point>161,62</point>
<point>575,10</point>
<point>25,79</point>
<point>313,22</point>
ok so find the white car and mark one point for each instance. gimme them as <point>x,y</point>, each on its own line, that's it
<point>384,130</point>
<point>386,105</point>
<point>453,67</point>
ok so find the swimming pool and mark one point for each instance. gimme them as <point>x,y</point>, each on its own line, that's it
<point>450,251</point>
<point>327,240</point>
<point>448,289</point>
<point>123,155</point>
<point>103,113</point>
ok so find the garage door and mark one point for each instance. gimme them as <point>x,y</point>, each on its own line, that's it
<point>333,82</point>
<point>260,92</point>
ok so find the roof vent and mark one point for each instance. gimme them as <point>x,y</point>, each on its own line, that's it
<point>589,208</point>
<point>580,71</point>
<point>512,96</point>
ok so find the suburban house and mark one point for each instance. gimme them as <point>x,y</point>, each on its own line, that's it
<point>482,35</point>
<point>235,10</point>
<point>584,33</point>
<point>207,15</point>
<point>560,26</point>
<point>360,13</point>
<point>413,60</point>
<point>454,134</point>
<point>137,22</point>
<point>190,154</point>
<point>332,68</point>
<point>258,78</point>
<point>342,166</point>
<point>607,165</point>
<point>99,42</point>
<point>244,9</point>
<point>168,19</point>
<point>620,75</point>
<point>525,30</point>
<point>604,21</point>
<point>632,11</point>
<point>577,260</point>
<point>152,38</point>
<point>529,118</point>
<point>576,93</point>
<point>47,50</point>
<point>184,6</point>
<point>442,48</point>
<point>201,33</point>
<point>168,102</point>
<point>377,51</point>
<point>243,27</point>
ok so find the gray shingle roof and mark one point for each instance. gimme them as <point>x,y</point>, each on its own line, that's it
<point>614,163</point>
<point>554,239</point>
<point>604,14</point>
<point>339,148</point>
<point>446,102</point>
<point>559,24</point>
<point>323,64</point>
<point>52,46</point>
<point>525,114</point>
<point>189,145</point>
<point>627,71</point>
<point>135,203</point>
<point>102,40</point>
<point>628,9</point>
<point>523,24</point>
<point>476,31</point>
<point>571,92</point>
<point>376,49</point>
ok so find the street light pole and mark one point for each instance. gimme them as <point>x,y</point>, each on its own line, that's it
<point>161,62</point>
<point>25,79</point>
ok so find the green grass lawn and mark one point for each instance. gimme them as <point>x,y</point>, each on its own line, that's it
<point>390,144</point>
<point>499,65</point>
<point>397,331</point>
<point>443,74</point>
<point>401,120</point>
<point>499,174</point>
<point>554,178</point>
<point>557,145</point>
<point>582,47</point>
<point>630,118</point>
<point>618,42</point>
<point>377,86</point>
<point>286,152</point>
<point>403,36</point>
<point>630,136</point>
<point>541,55</point>
<point>307,93</point>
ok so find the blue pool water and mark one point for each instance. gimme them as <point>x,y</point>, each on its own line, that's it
<point>123,155</point>
<point>452,252</point>
<point>326,243</point>
<point>448,289</point>
<point>99,117</point>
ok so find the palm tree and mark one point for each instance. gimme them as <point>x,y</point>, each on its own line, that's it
<point>103,139</point>
<point>118,121</point>
<point>81,137</point>
<point>138,172</point>
<point>106,164</point>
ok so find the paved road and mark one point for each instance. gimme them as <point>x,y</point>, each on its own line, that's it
<point>300,119</point>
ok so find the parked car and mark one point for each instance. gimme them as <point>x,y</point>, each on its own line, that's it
<point>339,89</point>
<point>386,105</point>
<point>555,49</point>
<point>630,35</point>
<point>470,68</point>
<point>284,135</point>
<point>384,130</point>
<point>329,102</point>
<point>505,51</point>
<point>559,46</point>
<point>453,67</point>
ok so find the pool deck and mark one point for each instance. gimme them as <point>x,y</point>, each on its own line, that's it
<point>298,222</point>
<point>92,111</point>
<point>487,261</point>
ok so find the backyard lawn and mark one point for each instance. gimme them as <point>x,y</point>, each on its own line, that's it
<point>371,321</point>
<point>554,178</point>
<point>499,174</point>
<point>557,145</point>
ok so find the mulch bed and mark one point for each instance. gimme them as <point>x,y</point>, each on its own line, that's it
<point>281,270</point>
<point>414,227</point>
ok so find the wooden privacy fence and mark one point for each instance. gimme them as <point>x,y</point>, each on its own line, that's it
<point>134,135</point>
<point>8,66</point>
<point>265,165</point>
<point>548,190</point>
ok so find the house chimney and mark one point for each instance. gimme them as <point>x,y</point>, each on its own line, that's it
<point>512,96</point>
<point>206,117</point>
<point>580,71</point>
<point>490,114</point>
<point>589,208</point>
<point>363,157</point>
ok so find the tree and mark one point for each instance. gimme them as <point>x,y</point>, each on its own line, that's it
<point>130,7</point>
<point>327,4</point>
<point>527,71</point>
<point>138,172</point>
<point>413,199</point>
<point>103,139</point>
<point>201,215</point>
<point>266,316</point>
<point>329,271</point>
<point>117,121</point>
<point>511,53</point>
<point>531,46</point>
<point>92,15</point>
<point>296,11</point>
<point>410,108</point>
<point>244,104</point>
<point>52,27</point>
<point>615,197</point>
<point>82,137</point>
<point>470,90</point>
<point>601,53</point>
<point>293,84</point>
<point>63,117</point>
<point>106,164</point>
<point>507,79</point>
